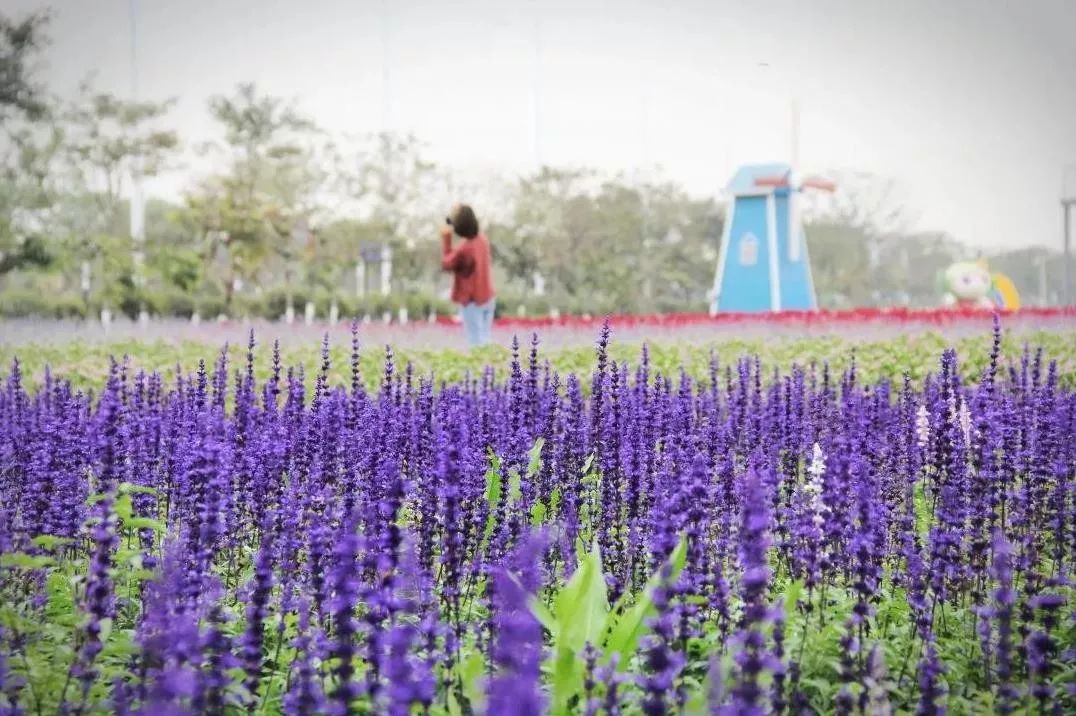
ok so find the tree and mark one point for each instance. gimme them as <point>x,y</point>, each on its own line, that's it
<point>111,142</point>
<point>607,244</point>
<point>847,236</point>
<point>909,266</point>
<point>249,214</point>
<point>20,41</point>
<point>398,189</point>
<point>28,191</point>
<point>28,156</point>
<point>840,263</point>
<point>108,144</point>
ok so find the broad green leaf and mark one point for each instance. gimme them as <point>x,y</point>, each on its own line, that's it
<point>454,708</point>
<point>544,616</point>
<point>582,605</point>
<point>472,675</point>
<point>628,627</point>
<point>582,609</point>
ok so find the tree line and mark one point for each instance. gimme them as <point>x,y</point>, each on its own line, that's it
<point>286,209</point>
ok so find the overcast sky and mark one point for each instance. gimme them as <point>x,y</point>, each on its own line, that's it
<point>969,106</point>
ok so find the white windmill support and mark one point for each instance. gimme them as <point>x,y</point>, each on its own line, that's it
<point>795,236</point>
<point>386,270</point>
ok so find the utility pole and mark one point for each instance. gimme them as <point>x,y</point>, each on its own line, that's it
<point>1066,205</point>
<point>794,238</point>
<point>386,95</point>
<point>794,134</point>
<point>137,204</point>
<point>1068,200</point>
<point>536,82</point>
<point>1044,297</point>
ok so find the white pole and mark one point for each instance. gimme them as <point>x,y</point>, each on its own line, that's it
<point>794,134</point>
<point>137,203</point>
<point>536,82</point>
<point>386,95</point>
<point>794,236</point>
<point>360,278</point>
<point>386,270</point>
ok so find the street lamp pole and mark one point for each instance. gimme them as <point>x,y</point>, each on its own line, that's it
<point>137,205</point>
<point>536,88</point>
<point>1066,205</point>
<point>1068,200</point>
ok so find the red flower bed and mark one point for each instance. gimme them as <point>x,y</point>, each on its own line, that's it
<point>920,316</point>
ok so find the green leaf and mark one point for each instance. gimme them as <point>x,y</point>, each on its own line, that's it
<point>454,708</point>
<point>472,673</point>
<point>538,513</point>
<point>145,523</point>
<point>544,616</point>
<point>515,487</point>
<point>793,592</point>
<point>493,485</point>
<point>583,604</point>
<point>49,541</point>
<point>535,455</point>
<point>582,610</point>
<point>21,560</point>
<point>628,627</point>
<point>106,628</point>
<point>124,507</point>
<point>493,496</point>
<point>129,488</point>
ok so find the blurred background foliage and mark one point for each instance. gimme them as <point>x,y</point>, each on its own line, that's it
<point>286,209</point>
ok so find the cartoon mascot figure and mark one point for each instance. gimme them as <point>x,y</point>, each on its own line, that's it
<point>969,284</point>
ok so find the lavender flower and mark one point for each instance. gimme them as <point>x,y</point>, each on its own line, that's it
<point>98,602</point>
<point>517,645</point>
<point>752,657</point>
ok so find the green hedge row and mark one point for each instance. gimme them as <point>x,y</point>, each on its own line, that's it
<point>27,303</point>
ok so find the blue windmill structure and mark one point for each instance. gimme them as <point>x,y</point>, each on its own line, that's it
<point>763,263</point>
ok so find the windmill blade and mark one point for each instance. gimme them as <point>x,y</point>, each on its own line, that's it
<point>775,180</point>
<point>818,183</point>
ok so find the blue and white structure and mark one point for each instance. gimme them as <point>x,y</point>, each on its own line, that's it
<point>763,263</point>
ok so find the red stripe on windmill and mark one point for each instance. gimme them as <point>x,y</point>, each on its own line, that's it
<point>763,263</point>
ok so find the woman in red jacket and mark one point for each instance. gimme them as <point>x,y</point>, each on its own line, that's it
<point>471,266</point>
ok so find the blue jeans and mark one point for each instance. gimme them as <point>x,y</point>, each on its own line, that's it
<point>478,322</point>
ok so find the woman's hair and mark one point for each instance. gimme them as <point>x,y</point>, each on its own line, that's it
<point>464,222</point>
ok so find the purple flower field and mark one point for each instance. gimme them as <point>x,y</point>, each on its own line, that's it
<point>618,542</point>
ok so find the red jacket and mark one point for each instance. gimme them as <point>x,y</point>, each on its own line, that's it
<point>471,266</point>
